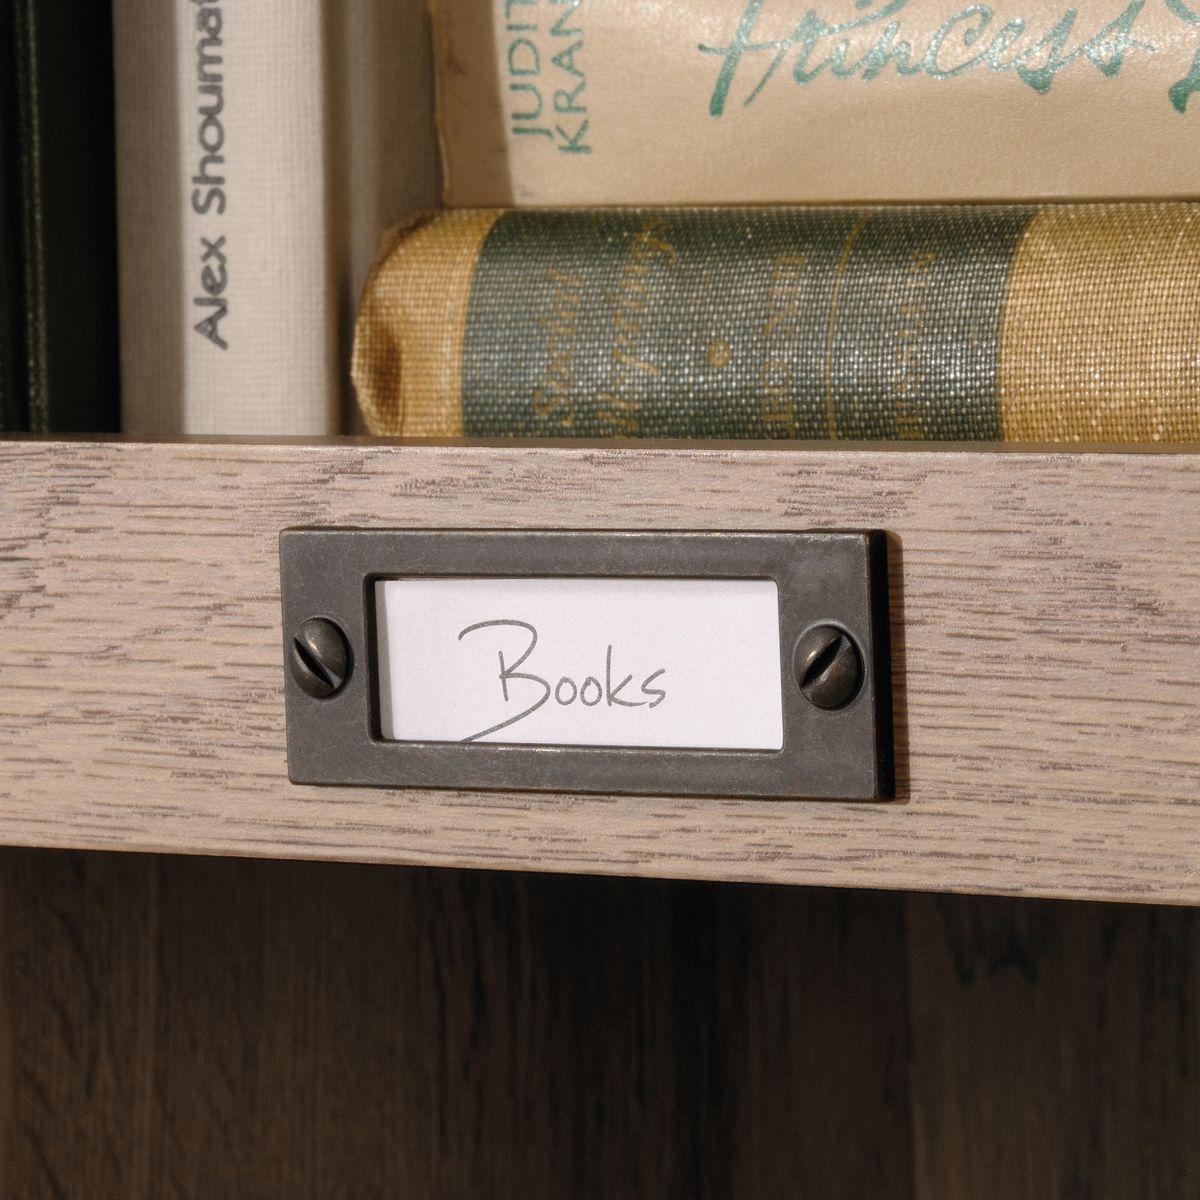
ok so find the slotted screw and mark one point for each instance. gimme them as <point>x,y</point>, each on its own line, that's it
<point>828,666</point>
<point>320,657</point>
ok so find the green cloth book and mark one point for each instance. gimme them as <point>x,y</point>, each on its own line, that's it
<point>58,253</point>
<point>1054,323</point>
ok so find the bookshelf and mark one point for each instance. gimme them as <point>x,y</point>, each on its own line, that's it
<point>985,990</point>
<point>239,1024</point>
<point>235,1024</point>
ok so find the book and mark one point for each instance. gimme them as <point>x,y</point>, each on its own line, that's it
<point>1056,323</point>
<point>573,102</point>
<point>58,322</point>
<point>260,149</point>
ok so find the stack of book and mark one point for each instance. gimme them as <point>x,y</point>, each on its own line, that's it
<point>848,219</point>
<point>625,255</point>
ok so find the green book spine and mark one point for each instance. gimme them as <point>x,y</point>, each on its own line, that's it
<point>13,399</point>
<point>980,323</point>
<point>58,281</point>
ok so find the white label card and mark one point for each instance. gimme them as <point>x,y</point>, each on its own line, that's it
<point>684,663</point>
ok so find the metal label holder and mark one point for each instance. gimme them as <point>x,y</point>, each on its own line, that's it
<point>826,580</point>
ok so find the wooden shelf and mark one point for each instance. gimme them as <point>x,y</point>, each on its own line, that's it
<point>1047,658</point>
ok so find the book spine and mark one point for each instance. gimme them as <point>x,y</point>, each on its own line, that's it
<point>1036,324</point>
<point>228,319</point>
<point>574,102</point>
<point>58,327</point>
<point>14,404</point>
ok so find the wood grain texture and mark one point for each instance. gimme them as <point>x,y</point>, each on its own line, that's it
<point>78,1000</point>
<point>1048,659</point>
<point>1055,1049</point>
<point>196,1028</point>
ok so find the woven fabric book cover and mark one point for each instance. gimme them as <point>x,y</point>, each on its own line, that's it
<point>1028,323</point>
<point>224,280</point>
<point>260,150</point>
<point>549,102</point>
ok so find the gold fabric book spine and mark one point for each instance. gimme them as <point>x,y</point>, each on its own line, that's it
<point>1071,323</point>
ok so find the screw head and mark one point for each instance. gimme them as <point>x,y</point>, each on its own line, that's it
<point>828,666</point>
<point>320,657</point>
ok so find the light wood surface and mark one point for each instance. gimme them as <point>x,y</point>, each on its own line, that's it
<point>174,1028</point>
<point>1047,659</point>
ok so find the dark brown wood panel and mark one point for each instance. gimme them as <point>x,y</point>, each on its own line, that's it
<point>812,987</point>
<point>1055,1051</point>
<point>193,1028</point>
<point>189,1028</point>
<point>78,995</point>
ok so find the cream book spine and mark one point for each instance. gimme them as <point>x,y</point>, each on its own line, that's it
<point>583,102</point>
<point>261,148</point>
